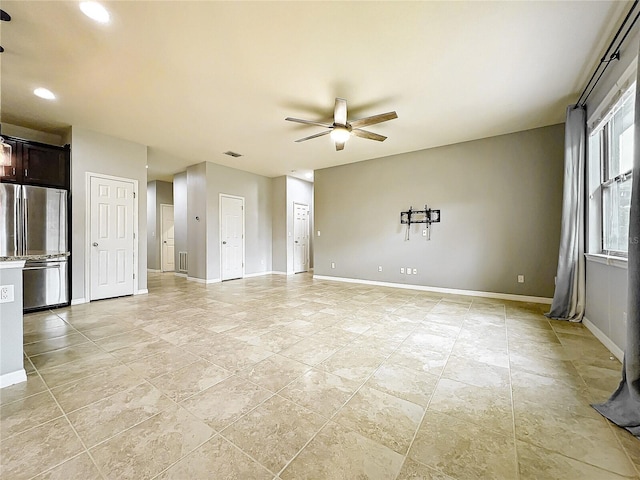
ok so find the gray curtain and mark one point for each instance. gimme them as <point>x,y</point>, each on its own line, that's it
<point>568,299</point>
<point>623,408</point>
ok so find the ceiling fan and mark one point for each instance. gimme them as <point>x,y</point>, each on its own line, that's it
<point>341,130</point>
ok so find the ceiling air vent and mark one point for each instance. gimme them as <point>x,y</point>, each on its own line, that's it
<point>233,154</point>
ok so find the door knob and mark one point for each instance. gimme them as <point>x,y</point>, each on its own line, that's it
<point>95,244</point>
<point>296,241</point>
<point>164,241</point>
<point>224,243</point>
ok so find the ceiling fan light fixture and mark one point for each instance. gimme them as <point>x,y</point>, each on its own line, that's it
<point>95,11</point>
<point>340,134</point>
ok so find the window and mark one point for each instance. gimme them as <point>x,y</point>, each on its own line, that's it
<point>611,155</point>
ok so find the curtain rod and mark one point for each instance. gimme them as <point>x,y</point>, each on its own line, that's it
<point>606,58</point>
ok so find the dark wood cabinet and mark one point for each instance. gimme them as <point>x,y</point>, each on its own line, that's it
<point>37,164</point>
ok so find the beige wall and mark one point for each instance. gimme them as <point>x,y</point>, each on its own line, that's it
<point>500,199</point>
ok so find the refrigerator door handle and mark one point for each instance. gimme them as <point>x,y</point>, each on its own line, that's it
<point>41,267</point>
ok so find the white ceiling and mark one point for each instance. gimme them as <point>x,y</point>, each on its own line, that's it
<point>194,79</point>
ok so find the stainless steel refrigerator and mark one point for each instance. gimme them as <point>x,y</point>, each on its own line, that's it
<point>33,221</point>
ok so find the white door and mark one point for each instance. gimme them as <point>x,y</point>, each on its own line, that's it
<point>112,240</point>
<point>231,237</point>
<point>300,237</point>
<point>166,227</point>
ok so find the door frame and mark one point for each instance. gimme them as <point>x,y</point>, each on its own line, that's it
<point>87,231</point>
<point>220,230</point>
<point>160,239</point>
<point>293,239</point>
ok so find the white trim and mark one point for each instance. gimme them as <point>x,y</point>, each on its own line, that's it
<point>202,280</point>
<point>144,291</point>
<point>293,238</point>
<point>153,270</point>
<point>257,274</point>
<point>619,262</point>
<point>220,195</point>
<point>87,221</point>
<point>12,378</point>
<point>180,274</point>
<point>7,264</point>
<point>78,301</point>
<point>452,291</point>
<point>276,272</point>
<point>606,341</point>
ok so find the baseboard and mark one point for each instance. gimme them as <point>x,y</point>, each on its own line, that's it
<point>180,274</point>
<point>153,270</point>
<point>451,291</point>
<point>12,378</point>
<point>144,291</point>
<point>78,301</point>
<point>276,272</point>
<point>606,341</point>
<point>202,280</point>
<point>257,274</point>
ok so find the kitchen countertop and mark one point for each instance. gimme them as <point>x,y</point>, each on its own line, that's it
<point>36,256</point>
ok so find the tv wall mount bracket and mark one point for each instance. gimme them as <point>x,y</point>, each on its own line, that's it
<point>426,216</point>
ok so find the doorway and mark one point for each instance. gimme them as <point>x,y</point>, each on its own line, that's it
<point>231,237</point>
<point>111,238</point>
<point>300,237</point>
<point>167,255</point>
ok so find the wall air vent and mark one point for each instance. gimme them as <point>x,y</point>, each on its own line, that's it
<point>233,154</point>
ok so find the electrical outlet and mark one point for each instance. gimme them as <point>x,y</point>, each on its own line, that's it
<point>401,269</point>
<point>424,232</point>
<point>379,268</point>
<point>520,278</point>
<point>415,271</point>
<point>408,270</point>
<point>6,293</point>
<point>333,264</point>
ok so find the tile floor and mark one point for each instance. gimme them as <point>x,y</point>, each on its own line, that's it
<point>293,378</point>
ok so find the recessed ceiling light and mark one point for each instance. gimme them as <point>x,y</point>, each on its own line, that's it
<point>44,93</point>
<point>95,11</point>
<point>309,175</point>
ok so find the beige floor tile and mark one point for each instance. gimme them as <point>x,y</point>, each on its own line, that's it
<point>182,383</point>
<point>225,402</point>
<point>311,351</point>
<point>27,413</point>
<point>41,321</point>
<point>74,395</point>
<point>101,330</point>
<point>151,446</point>
<point>412,470</point>
<point>72,371</point>
<point>33,385</point>
<point>381,417</point>
<point>66,355</point>
<point>235,355</point>
<point>63,329</point>
<point>287,426</point>
<point>319,391</point>
<point>219,456</point>
<point>78,468</point>
<point>38,449</point>
<point>421,360</point>
<point>124,339</point>
<point>338,453</point>
<point>487,407</point>
<point>275,340</point>
<point>480,374</point>
<point>110,416</point>
<point>412,385</point>
<point>535,463</point>
<point>274,372</point>
<point>160,363</point>
<point>462,450</point>
<point>142,349</point>
<point>491,354</point>
<point>353,363</point>
<point>589,440</point>
<point>49,345</point>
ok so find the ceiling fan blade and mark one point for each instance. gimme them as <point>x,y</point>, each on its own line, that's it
<point>314,136</point>
<point>339,146</point>
<point>340,112</point>
<point>382,117</point>
<point>370,135</point>
<point>308,122</point>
